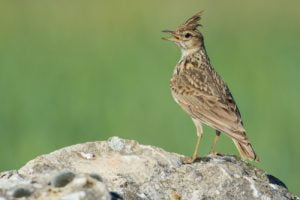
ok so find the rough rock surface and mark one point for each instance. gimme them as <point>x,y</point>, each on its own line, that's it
<point>123,169</point>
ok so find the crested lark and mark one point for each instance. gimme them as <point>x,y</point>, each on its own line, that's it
<point>201,92</point>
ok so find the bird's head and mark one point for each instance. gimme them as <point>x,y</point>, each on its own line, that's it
<point>187,36</point>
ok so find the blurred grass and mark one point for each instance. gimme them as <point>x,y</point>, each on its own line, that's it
<point>76,71</point>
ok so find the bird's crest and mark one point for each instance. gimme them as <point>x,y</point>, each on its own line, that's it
<point>192,23</point>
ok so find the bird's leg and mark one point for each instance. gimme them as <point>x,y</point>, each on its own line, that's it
<point>213,147</point>
<point>196,148</point>
<point>199,135</point>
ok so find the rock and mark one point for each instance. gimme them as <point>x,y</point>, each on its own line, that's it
<point>123,169</point>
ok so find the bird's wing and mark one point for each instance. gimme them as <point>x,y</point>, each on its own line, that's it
<point>207,98</point>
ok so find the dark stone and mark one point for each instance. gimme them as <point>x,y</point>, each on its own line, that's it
<point>21,192</point>
<point>62,179</point>
<point>275,181</point>
<point>115,196</point>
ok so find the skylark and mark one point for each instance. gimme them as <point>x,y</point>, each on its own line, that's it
<point>202,93</point>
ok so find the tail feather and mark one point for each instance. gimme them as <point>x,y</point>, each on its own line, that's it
<point>246,150</point>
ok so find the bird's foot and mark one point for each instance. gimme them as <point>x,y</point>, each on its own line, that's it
<point>189,160</point>
<point>214,153</point>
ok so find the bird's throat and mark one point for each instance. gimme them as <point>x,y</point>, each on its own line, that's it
<point>187,52</point>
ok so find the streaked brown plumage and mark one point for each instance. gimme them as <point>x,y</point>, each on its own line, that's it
<point>202,93</point>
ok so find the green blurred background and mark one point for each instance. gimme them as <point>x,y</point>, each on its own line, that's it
<point>77,71</point>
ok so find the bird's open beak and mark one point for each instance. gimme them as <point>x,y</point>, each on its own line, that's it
<point>175,37</point>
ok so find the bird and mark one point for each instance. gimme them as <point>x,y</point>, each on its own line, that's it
<point>201,92</point>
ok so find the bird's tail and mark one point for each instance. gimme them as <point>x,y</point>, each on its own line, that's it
<point>246,150</point>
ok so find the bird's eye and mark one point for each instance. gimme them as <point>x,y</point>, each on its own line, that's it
<point>187,35</point>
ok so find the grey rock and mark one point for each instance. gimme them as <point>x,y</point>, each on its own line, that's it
<point>123,169</point>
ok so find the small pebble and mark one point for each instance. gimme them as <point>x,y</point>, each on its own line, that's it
<point>63,179</point>
<point>21,192</point>
<point>88,156</point>
<point>116,144</point>
<point>97,177</point>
